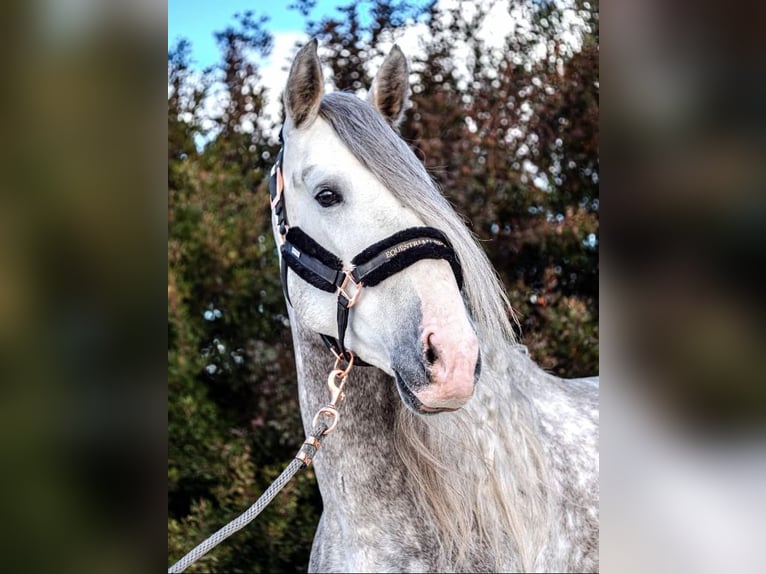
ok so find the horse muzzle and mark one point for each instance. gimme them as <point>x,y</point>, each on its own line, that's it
<point>443,377</point>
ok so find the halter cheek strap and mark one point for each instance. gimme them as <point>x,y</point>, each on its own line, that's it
<point>324,270</point>
<point>310,261</point>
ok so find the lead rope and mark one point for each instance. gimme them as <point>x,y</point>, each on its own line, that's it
<point>336,381</point>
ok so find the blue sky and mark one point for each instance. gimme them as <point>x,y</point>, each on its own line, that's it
<point>197,20</point>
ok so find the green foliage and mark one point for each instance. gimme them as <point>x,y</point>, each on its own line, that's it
<point>232,413</point>
<point>515,150</point>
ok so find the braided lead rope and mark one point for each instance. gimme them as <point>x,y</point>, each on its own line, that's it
<point>302,460</point>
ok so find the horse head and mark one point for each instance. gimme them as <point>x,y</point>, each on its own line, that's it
<point>345,176</point>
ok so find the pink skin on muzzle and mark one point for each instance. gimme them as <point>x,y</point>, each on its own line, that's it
<point>450,346</point>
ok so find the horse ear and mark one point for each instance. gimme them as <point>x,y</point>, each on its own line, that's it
<point>305,86</point>
<point>391,87</point>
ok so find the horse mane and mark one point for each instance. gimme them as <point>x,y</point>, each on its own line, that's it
<point>483,484</point>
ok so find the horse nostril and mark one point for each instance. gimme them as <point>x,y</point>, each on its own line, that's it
<point>431,355</point>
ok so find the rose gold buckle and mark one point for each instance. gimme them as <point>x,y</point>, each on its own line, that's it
<point>342,289</point>
<point>280,187</point>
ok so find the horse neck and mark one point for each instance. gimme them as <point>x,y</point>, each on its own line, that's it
<point>367,413</point>
<point>382,462</point>
<point>365,490</point>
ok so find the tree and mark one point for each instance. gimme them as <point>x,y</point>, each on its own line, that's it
<point>515,148</point>
<point>233,413</point>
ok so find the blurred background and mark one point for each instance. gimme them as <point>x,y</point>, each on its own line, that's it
<point>504,114</point>
<point>100,229</point>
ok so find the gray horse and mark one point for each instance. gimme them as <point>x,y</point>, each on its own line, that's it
<point>454,450</point>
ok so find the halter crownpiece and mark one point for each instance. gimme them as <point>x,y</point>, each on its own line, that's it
<point>325,271</point>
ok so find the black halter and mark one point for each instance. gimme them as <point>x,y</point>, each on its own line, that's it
<point>322,269</point>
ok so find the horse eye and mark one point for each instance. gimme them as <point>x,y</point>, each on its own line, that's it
<point>327,198</point>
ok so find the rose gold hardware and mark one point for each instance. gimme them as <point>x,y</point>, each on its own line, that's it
<point>336,391</point>
<point>304,458</point>
<point>303,455</point>
<point>329,411</point>
<point>339,359</point>
<point>336,396</point>
<point>342,289</point>
<point>312,441</point>
<point>280,187</point>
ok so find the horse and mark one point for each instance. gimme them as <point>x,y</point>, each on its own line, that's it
<point>454,450</point>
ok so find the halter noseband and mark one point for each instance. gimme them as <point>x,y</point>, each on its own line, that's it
<point>324,270</point>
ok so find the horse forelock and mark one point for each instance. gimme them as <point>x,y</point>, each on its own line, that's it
<point>375,144</point>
